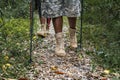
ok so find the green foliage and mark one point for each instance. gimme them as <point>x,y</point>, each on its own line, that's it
<point>106,46</point>
<point>14,38</point>
<point>13,35</point>
<point>14,43</point>
<point>105,11</point>
<point>16,9</point>
<point>102,28</point>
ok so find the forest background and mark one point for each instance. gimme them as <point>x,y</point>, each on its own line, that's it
<point>101,27</point>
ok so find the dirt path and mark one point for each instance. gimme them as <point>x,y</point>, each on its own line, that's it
<point>48,66</point>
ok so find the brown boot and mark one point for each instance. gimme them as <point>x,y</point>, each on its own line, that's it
<point>60,51</point>
<point>73,38</point>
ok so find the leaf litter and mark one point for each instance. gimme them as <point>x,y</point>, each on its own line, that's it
<point>74,66</point>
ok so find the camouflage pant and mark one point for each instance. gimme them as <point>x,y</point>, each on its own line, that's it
<point>55,8</point>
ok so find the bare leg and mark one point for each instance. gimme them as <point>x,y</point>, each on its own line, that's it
<point>42,32</point>
<point>72,22</point>
<point>58,23</point>
<point>72,30</point>
<point>48,24</point>
<point>43,22</point>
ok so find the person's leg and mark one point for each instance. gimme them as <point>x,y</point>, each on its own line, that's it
<point>72,30</point>
<point>58,24</point>
<point>43,23</point>
<point>72,11</point>
<point>54,9</point>
<point>48,24</point>
<point>72,22</point>
<point>43,31</point>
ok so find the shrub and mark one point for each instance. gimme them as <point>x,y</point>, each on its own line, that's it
<point>102,27</point>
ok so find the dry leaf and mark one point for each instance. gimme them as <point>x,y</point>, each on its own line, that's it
<point>6,58</point>
<point>54,67</point>
<point>23,79</point>
<point>106,71</point>
<point>103,78</point>
<point>59,72</point>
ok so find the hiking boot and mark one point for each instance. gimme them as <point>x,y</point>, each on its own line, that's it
<point>73,38</point>
<point>59,50</point>
<point>43,32</point>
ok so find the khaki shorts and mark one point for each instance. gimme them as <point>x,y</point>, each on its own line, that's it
<point>56,8</point>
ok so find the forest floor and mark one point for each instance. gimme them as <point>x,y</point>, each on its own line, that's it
<point>80,64</point>
<point>76,65</point>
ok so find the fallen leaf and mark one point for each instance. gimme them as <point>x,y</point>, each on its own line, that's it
<point>59,72</point>
<point>8,65</point>
<point>54,67</point>
<point>23,79</point>
<point>103,78</point>
<point>6,58</point>
<point>106,71</point>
